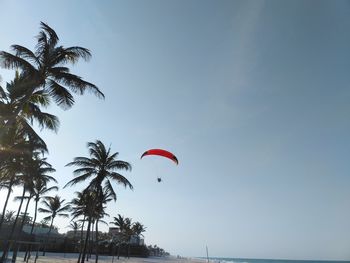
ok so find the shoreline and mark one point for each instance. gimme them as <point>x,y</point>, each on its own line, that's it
<point>73,257</point>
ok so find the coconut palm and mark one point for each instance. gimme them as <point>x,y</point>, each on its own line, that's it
<point>80,207</point>
<point>138,229</point>
<point>101,168</point>
<point>74,225</point>
<point>17,165</point>
<point>124,225</point>
<point>46,69</point>
<point>20,139</point>
<point>55,207</point>
<point>99,213</point>
<point>40,190</point>
<point>88,197</point>
<point>36,175</point>
<point>34,168</point>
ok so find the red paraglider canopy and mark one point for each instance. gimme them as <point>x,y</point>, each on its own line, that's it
<point>161,152</point>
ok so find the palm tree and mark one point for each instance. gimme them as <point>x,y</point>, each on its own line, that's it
<point>99,213</point>
<point>45,69</point>
<point>17,165</point>
<point>101,167</point>
<point>124,225</point>
<point>36,175</point>
<point>80,207</point>
<point>19,140</point>
<point>138,229</point>
<point>88,197</point>
<point>55,207</point>
<point>10,216</point>
<point>40,189</point>
<point>74,225</point>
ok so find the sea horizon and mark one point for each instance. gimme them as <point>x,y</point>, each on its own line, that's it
<point>261,260</point>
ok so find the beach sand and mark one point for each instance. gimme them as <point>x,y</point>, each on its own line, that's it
<point>72,258</point>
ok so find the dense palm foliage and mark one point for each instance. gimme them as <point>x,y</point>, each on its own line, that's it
<point>101,168</point>
<point>45,69</point>
<point>41,77</point>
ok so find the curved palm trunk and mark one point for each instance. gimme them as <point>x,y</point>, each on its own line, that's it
<point>19,231</point>
<point>24,216</point>
<point>81,240</point>
<point>7,245</point>
<point>48,236</point>
<point>35,214</point>
<point>86,241</point>
<point>96,259</point>
<point>5,205</point>
<point>26,256</point>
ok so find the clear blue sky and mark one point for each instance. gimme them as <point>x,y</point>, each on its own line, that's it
<point>253,98</point>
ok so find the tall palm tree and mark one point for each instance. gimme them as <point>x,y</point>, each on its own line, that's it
<point>17,165</point>
<point>36,175</point>
<point>101,168</point>
<point>20,139</point>
<point>46,69</point>
<point>55,207</point>
<point>88,197</point>
<point>40,190</point>
<point>99,213</point>
<point>80,206</point>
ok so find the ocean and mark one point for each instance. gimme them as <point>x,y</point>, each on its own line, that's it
<point>247,260</point>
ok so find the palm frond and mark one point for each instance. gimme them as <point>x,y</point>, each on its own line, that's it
<point>121,180</point>
<point>9,61</point>
<point>110,190</point>
<point>78,179</point>
<point>43,210</point>
<point>25,53</point>
<point>60,94</point>
<point>53,38</point>
<point>120,165</point>
<point>77,84</point>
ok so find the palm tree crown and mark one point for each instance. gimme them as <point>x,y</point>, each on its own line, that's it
<point>101,167</point>
<point>54,207</point>
<point>45,68</point>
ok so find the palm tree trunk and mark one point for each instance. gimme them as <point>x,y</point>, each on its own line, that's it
<point>91,241</point>
<point>81,240</point>
<point>7,245</point>
<point>19,231</point>
<point>24,216</point>
<point>48,236</point>
<point>35,214</point>
<point>86,241</point>
<point>32,229</point>
<point>96,259</point>
<point>5,205</point>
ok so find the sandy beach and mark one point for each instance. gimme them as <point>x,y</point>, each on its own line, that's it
<point>72,258</point>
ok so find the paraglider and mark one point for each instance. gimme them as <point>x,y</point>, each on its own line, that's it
<point>162,153</point>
